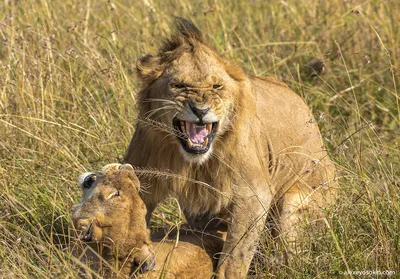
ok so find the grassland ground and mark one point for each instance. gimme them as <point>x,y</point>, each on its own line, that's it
<point>67,105</point>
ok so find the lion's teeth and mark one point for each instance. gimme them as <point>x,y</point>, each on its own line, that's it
<point>190,144</point>
<point>183,126</point>
<point>187,126</point>
<point>205,143</point>
<point>209,127</point>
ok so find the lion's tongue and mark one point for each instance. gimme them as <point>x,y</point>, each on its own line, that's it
<point>197,133</point>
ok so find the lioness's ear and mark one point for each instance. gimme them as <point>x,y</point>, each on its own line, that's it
<point>110,168</point>
<point>149,68</point>
<point>127,171</point>
<point>127,167</point>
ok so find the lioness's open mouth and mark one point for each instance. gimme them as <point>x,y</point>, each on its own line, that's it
<point>89,234</point>
<point>195,138</point>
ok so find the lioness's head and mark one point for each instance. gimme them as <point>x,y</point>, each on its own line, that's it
<point>112,213</point>
<point>190,89</point>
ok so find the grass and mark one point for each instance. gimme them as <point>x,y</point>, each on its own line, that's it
<point>67,104</point>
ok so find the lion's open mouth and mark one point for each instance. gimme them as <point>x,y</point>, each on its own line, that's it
<point>195,138</point>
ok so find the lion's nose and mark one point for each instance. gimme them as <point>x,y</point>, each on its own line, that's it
<point>200,113</point>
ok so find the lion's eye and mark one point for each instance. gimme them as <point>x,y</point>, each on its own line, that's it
<point>88,181</point>
<point>178,85</point>
<point>217,86</point>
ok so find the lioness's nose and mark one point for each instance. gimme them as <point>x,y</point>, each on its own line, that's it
<point>82,223</point>
<point>200,113</point>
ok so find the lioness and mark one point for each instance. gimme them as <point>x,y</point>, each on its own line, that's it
<point>112,215</point>
<point>232,146</point>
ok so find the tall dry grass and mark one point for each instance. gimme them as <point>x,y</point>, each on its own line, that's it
<point>67,104</point>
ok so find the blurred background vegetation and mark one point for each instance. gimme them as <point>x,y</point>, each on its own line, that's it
<point>67,105</point>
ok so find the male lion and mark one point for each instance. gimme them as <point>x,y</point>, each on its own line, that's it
<point>229,145</point>
<point>111,217</point>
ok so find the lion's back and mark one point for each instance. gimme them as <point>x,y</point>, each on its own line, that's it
<point>284,116</point>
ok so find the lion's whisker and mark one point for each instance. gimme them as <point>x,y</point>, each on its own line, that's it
<point>157,125</point>
<point>149,100</point>
<point>150,113</point>
<point>162,115</point>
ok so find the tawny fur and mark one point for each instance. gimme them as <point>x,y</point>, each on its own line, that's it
<point>120,236</point>
<point>268,149</point>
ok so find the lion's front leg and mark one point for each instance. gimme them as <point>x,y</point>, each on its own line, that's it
<point>248,220</point>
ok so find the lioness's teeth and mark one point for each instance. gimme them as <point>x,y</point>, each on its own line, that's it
<point>190,144</point>
<point>209,127</point>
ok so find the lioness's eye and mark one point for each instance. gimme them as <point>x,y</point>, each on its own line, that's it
<point>115,194</point>
<point>88,181</point>
<point>217,86</point>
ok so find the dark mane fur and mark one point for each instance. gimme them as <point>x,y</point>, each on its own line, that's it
<point>185,31</point>
<point>185,38</point>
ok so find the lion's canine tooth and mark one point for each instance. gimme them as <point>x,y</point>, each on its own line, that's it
<point>209,127</point>
<point>188,126</point>
<point>183,126</point>
<point>205,143</point>
<point>190,144</point>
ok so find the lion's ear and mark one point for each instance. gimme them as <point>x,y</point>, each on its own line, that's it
<point>149,68</point>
